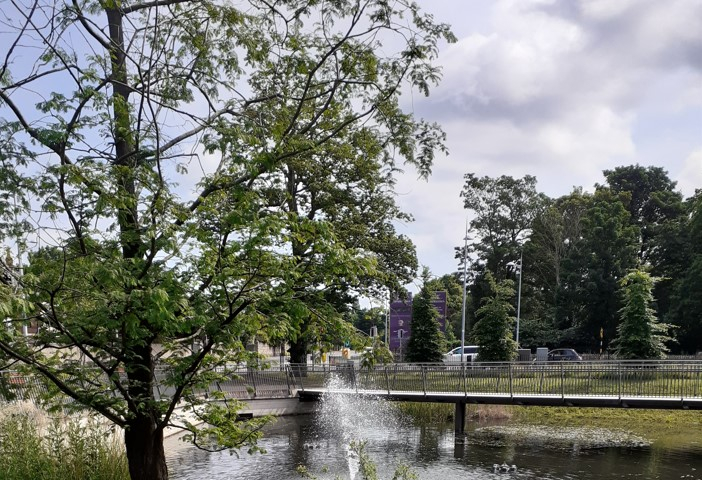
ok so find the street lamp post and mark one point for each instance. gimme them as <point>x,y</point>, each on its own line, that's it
<point>518,270</point>
<point>386,327</point>
<point>463,308</point>
<point>519,292</point>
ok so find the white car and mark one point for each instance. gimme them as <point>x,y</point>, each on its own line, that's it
<point>470,354</point>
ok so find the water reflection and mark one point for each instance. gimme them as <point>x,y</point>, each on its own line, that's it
<point>320,442</point>
<point>432,452</point>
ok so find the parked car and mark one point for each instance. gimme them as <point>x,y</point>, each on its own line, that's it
<point>564,355</point>
<point>470,354</point>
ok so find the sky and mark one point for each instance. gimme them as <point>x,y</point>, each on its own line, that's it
<point>558,89</point>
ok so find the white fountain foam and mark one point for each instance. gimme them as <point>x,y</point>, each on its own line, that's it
<point>353,418</point>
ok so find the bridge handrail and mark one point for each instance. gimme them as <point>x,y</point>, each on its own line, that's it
<point>610,378</point>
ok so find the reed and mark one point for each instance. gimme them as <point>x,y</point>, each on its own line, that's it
<point>433,413</point>
<point>34,446</point>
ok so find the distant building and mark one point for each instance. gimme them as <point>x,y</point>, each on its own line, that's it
<point>400,328</point>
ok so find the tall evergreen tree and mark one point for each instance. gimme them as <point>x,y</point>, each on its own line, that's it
<point>426,343</point>
<point>658,211</point>
<point>639,334</point>
<point>493,328</point>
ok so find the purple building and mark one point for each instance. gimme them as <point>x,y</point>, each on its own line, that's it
<point>401,319</point>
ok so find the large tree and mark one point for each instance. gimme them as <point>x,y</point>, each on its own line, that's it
<point>134,139</point>
<point>504,210</point>
<point>658,211</point>
<point>349,184</point>
<point>650,198</point>
<point>686,282</point>
<point>605,255</point>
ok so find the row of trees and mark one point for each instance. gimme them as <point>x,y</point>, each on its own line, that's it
<point>578,249</point>
<point>617,270</point>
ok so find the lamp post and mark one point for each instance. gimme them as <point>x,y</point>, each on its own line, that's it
<point>387,314</point>
<point>518,270</point>
<point>463,308</point>
<point>519,292</point>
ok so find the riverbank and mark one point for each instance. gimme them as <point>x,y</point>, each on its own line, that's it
<point>661,427</point>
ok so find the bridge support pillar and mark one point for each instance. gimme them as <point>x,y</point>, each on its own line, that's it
<point>459,419</point>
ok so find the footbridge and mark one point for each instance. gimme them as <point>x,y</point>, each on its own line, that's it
<point>607,384</point>
<point>293,388</point>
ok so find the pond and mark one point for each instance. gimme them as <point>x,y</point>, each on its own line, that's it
<point>321,441</point>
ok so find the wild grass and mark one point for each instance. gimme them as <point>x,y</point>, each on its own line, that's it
<point>34,446</point>
<point>440,413</point>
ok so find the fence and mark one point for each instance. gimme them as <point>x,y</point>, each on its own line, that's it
<point>240,383</point>
<point>659,379</point>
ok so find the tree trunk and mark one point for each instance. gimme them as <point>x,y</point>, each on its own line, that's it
<point>298,357</point>
<point>145,453</point>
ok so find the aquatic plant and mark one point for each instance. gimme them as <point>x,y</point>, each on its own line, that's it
<point>366,467</point>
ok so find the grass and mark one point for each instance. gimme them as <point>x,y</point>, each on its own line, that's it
<point>652,423</point>
<point>666,428</point>
<point>34,446</point>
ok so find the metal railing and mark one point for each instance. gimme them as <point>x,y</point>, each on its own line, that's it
<point>659,379</point>
<point>651,379</point>
<point>241,384</point>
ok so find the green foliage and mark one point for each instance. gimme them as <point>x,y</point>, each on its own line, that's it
<point>685,281</point>
<point>367,469</point>
<point>493,330</point>
<point>504,210</point>
<point>218,427</point>
<point>377,353</point>
<point>454,304</point>
<point>639,334</point>
<point>426,343</point>
<point>608,252</point>
<point>70,449</point>
<point>651,200</point>
<point>143,271</point>
<point>578,248</point>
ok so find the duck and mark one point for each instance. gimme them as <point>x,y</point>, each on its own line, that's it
<point>504,468</point>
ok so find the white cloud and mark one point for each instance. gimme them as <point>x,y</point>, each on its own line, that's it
<point>561,90</point>
<point>690,177</point>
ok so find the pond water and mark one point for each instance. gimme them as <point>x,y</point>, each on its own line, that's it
<point>321,441</point>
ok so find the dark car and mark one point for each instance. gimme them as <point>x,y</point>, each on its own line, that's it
<point>564,355</point>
